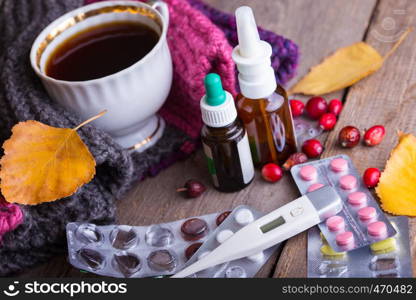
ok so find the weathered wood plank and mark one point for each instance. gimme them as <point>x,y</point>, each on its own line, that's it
<point>387,98</point>
<point>319,27</point>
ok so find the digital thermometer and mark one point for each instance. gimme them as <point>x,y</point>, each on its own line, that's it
<point>271,229</point>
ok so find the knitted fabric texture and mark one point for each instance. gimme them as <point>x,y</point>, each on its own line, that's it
<point>197,47</point>
<point>11,216</point>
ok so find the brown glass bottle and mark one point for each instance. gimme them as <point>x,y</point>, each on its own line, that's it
<point>269,127</point>
<point>228,156</point>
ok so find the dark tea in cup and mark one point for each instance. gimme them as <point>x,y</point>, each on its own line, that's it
<point>111,55</point>
<point>101,50</point>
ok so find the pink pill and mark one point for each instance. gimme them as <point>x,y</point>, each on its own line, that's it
<point>348,182</point>
<point>357,198</point>
<point>339,165</point>
<point>314,187</point>
<point>308,173</point>
<point>377,229</point>
<point>335,223</point>
<point>367,213</point>
<point>345,238</point>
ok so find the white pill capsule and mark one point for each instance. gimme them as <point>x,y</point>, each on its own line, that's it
<point>223,235</point>
<point>244,217</point>
<point>256,257</point>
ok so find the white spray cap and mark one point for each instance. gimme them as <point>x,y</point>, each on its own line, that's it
<point>252,57</point>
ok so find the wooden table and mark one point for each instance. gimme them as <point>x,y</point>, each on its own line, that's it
<point>319,27</point>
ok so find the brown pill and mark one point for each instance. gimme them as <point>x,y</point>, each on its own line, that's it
<point>222,217</point>
<point>192,249</point>
<point>194,229</point>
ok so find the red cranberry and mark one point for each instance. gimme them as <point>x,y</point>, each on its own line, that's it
<point>374,135</point>
<point>349,137</point>
<point>297,107</point>
<point>335,107</point>
<point>192,188</point>
<point>271,172</point>
<point>328,121</point>
<point>312,148</point>
<point>316,107</point>
<point>371,177</point>
<point>295,159</point>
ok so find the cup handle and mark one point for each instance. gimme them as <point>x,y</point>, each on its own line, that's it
<point>162,7</point>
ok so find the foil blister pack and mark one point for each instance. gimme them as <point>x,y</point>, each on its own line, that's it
<point>361,221</point>
<point>245,267</point>
<point>138,251</point>
<point>386,258</point>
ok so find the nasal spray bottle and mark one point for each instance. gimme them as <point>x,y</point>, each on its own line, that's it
<point>263,105</point>
<point>224,139</point>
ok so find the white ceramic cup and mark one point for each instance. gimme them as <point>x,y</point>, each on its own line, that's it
<point>132,96</point>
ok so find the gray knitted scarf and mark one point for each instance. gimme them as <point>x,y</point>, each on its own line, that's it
<point>22,97</point>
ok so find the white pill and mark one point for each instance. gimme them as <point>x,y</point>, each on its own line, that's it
<point>124,227</point>
<point>203,254</point>
<point>244,216</point>
<point>223,235</point>
<point>256,257</point>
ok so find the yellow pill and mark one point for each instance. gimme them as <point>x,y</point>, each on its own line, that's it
<point>323,239</point>
<point>385,246</point>
<point>329,253</point>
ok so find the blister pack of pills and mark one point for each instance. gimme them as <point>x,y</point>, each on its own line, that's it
<point>387,258</point>
<point>361,221</point>
<point>245,267</point>
<point>138,251</point>
<point>305,129</point>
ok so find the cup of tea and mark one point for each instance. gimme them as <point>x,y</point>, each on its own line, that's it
<point>110,55</point>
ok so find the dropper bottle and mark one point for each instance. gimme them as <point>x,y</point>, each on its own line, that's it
<point>262,105</point>
<point>224,139</point>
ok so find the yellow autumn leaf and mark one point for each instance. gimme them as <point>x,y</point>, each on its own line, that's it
<point>397,185</point>
<point>342,69</point>
<point>43,163</point>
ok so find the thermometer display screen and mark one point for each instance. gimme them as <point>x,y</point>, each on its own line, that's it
<point>273,224</point>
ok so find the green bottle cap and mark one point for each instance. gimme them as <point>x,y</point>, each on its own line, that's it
<point>215,94</point>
